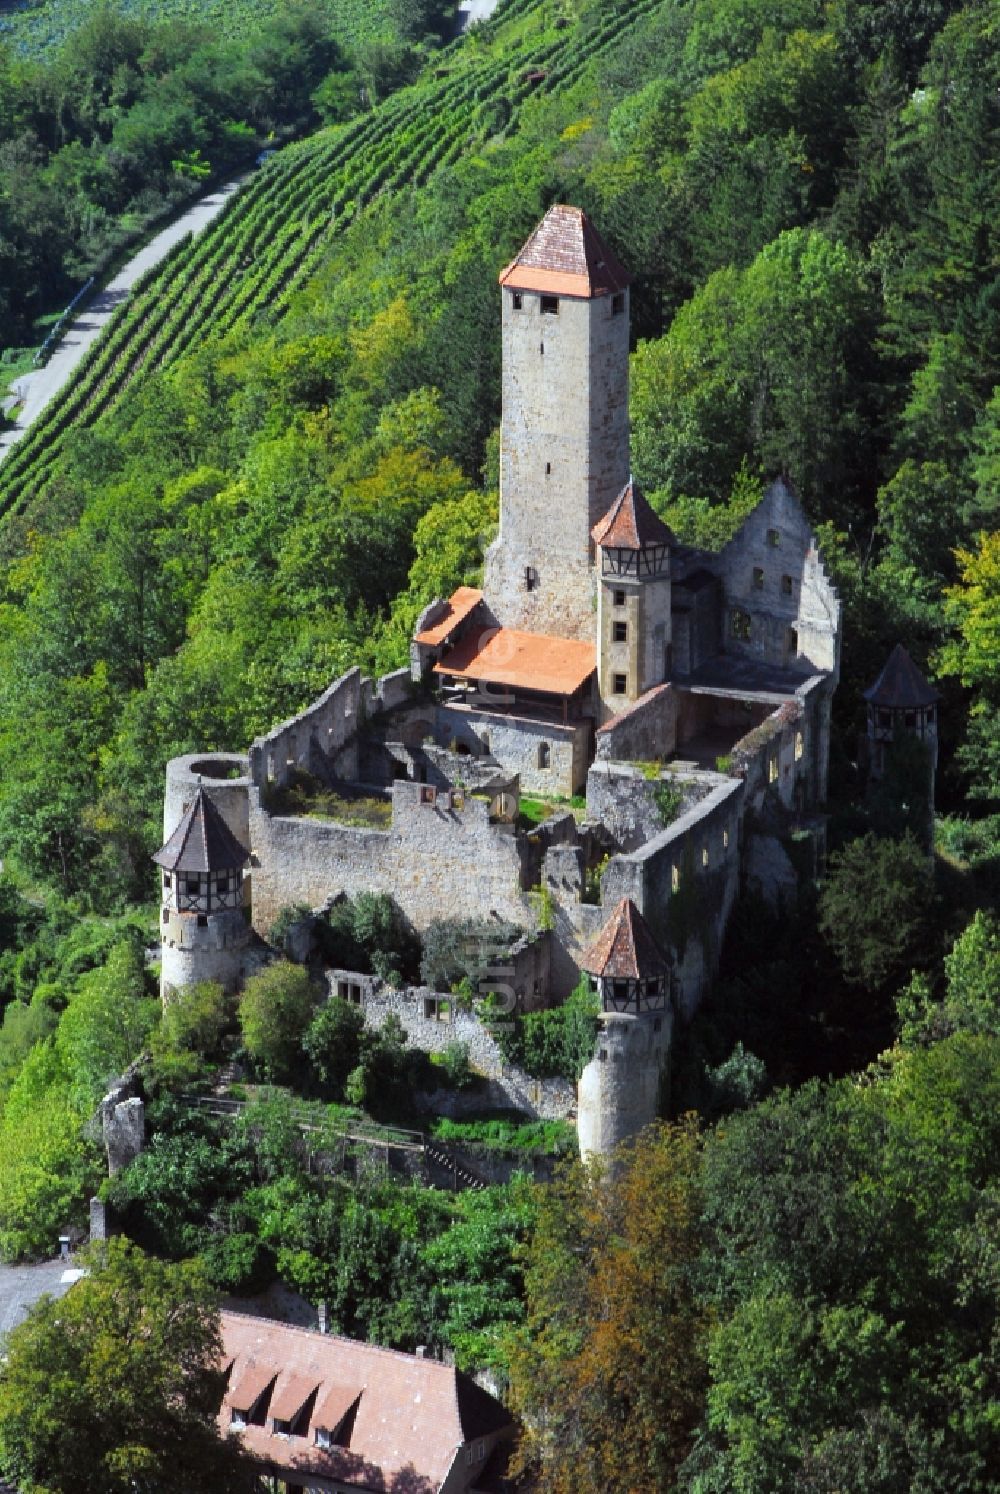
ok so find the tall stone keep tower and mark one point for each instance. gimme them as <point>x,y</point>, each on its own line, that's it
<point>564,439</point>
<point>633,600</point>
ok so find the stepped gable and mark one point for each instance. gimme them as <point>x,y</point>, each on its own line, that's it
<point>202,842</point>
<point>566,256</point>
<point>625,949</point>
<point>901,686</point>
<point>630,523</point>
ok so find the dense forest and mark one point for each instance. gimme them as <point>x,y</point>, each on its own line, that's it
<point>793,1284</point>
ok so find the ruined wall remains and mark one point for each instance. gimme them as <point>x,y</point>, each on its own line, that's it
<point>643,732</point>
<point>522,745</point>
<point>433,1021</point>
<point>772,573</point>
<point>622,797</point>
<point>442,858</point>
<point>684,882</point>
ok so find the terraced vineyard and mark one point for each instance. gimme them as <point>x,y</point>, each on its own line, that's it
<point>272,234</point>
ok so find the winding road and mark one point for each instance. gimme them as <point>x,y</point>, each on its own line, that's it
<point>36,389</point>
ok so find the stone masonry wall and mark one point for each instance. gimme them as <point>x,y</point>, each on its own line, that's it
<point>621,796</point>
<point>442,858</point>
<point>516,741</point>
<point>564,457</point>
<point>642,732</point>
<point>544,1099</point>
<point>772,570</point>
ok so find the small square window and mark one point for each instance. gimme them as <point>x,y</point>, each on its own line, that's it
<point>550,305</point>
<point>619,598</point>
<point>618,304</point>
<point>619,684</point>
<point>619,632</point>
<point>518,300</point>
<point>774,538</point>
<point>758,578</point>
<point>786,586</point>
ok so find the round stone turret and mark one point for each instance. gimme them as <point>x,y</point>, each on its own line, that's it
<point>619,1090</point>
<point>204,930</point>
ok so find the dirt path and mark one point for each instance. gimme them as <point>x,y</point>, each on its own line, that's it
<point>36,389</point>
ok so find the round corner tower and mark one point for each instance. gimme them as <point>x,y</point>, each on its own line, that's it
<point>203,883</point>
<point>564,439</point>
<point>619,1090</point>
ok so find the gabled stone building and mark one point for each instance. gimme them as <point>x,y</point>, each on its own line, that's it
<point>682,696</point>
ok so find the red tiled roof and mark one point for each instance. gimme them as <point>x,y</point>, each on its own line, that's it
<point>203,841</point>
<point>901,686</point>
<point>566,256</point>
<point>464,602</point>
<point>290,1394</point>
<point>630,523</point>
<point>625,949</point>
<point>526,661</point>
<point>413,1415</point>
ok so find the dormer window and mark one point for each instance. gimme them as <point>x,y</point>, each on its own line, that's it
<point>550,305</point>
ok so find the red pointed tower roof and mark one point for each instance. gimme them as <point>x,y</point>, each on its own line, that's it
<point>901,686</point>
<point>566,256</point>
<point>625,949</point>
<point>630,523</point>
<point>202,842</point>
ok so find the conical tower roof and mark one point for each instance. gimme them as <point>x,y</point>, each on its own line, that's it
<point>901,686</point>
<point>630,523</point>
<point>625,949</point>
<point>202,842</point>
<point>566,256</point>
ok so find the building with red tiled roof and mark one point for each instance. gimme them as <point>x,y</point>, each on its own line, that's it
<point>324,1413</point>
<point>565,255</point>
<point>631,972</point>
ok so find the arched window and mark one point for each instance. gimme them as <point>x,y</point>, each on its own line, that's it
<point>544,755</point>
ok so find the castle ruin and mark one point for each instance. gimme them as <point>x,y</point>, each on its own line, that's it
<point>669,706</point>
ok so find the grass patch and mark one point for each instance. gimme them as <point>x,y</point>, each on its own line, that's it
<point>306,798</point>
<point>535,810</point>
<point>552,1138</point>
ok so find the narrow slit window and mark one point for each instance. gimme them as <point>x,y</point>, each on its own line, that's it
<point>786,586</point>
<point>618,304</point>
<point>758,578</point>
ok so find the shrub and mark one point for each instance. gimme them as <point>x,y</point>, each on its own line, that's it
<point>332,1043</point>
<point>457,950</point>
<point>557,1043</point>
<point>275,1011</point>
